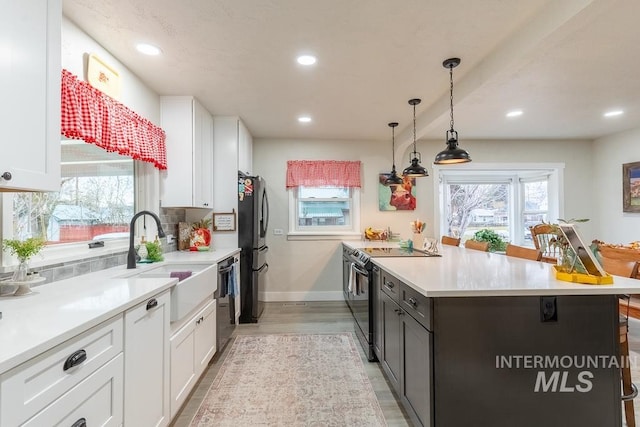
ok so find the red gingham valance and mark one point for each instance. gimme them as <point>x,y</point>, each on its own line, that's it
<point>96,118</point>
<point>323,173</point>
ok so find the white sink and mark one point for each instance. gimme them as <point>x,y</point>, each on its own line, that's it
<point>189,292</point>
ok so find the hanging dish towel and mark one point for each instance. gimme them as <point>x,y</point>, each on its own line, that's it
<point>353,280</point>
<point>231,282</point>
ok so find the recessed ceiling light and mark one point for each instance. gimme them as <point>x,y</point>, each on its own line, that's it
<point>148,49</point>
<point>613,113</point>
<point>304,119</point>
<point>306,59</point>
<point>514,113</point>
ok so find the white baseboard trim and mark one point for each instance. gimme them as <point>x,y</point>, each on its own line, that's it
<point>302,296</point>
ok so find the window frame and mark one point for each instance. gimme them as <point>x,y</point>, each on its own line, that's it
<point>496,173</point>
<point>146,197</point>
<point>326,232</point>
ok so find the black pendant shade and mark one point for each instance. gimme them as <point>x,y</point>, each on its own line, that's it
<point>393,178</point>
<point>453,153</point>
<point>415,169</point>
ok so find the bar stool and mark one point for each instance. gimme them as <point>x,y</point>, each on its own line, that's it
<point>452,241</point>
<point>478,246</point>
<point>522,252</point>
<point>623,262</point>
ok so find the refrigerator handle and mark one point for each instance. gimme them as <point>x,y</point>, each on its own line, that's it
<point>265,212</point>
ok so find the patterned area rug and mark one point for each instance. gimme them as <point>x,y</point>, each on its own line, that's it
<point>291,380</point>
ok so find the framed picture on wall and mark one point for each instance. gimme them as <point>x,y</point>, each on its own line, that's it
<point>396,197</point>
<point>631,187</point>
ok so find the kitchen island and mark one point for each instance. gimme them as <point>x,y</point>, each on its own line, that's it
<point>475,338</point>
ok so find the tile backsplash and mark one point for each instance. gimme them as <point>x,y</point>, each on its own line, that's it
<point>90,264</point>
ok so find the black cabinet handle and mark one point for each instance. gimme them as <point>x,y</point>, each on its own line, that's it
<point>413,301</point>
<point>152,303</point>
<point>82,422</point>
<point>75,359</point>
<point>388,284</point>
<point>7,176</point>
<point>200,320</point>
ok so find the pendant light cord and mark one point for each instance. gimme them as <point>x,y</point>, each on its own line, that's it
<point>393,146</point>
<point>451,95</point>
<point>414,129</point>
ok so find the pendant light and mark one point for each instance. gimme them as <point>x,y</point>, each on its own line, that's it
<point>415,170</point>
<point>453,153</point>
<point>393,178</point>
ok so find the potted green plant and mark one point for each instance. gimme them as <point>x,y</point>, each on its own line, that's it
<point>24,250</point>
<point>496,244</point>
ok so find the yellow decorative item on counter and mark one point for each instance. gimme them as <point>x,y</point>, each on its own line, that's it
<point>585,279</point>
<point>375,234</point>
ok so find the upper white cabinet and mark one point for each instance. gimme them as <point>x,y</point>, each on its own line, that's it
<point>245,149</point>
<point>233,140</point>
<point>188,180</point>
<point>30,32</point>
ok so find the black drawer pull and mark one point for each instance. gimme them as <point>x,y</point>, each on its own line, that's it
<point>413,301</point>
<point>75,359</point>
<point>7,176</point>
<point>152,303</point>
<point>82,422</point>
<point>388,284</point>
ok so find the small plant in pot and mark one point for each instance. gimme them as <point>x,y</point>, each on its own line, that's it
<point>496,244</point>
<point>24,250</point>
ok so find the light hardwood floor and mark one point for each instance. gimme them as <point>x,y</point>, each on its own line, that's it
<point>328,317</point>
<point>298,317</point>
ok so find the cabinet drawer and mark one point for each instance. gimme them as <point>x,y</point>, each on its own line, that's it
<point>97,400</point>
<point>417,305</point>
<point>390,286</point>
<point>28,388</point>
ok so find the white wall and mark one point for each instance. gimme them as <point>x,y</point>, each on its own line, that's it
<point>300,270</point>
<point>609,154</point>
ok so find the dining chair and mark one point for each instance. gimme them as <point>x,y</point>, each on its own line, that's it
<point>452,241</point>
<point>623,262</point>
<point>522,252</point>
<point>544,236</point>
<point>478,246</point>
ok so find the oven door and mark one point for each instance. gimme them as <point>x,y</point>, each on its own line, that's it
<point>358,297</point>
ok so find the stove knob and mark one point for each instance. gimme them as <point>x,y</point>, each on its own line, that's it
<point>356,253</point>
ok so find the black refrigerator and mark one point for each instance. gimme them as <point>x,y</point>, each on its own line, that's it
<point>253,219</point>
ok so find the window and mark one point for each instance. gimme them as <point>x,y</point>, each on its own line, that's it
<point>505,199</point>
<point>96,198</point>
<point>324,197</point>
<point>324,209</point>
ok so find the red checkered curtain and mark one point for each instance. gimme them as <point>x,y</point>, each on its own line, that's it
<point>96,118</point>
<point>323,173</point>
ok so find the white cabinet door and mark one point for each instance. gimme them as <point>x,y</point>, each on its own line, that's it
<point>30,87</point>
<point>183,367</point>
<point>192,347</point>
<point>245,149</point>
<point>188,180</point>
<point>146,363</point>
<point>205,337</point>
<point>96,401</point>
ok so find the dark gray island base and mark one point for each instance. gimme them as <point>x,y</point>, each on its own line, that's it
<point>500,360</point>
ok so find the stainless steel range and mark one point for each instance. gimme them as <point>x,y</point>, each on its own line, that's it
<point>359,278</point>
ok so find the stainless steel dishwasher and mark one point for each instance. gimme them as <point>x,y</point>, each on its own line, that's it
<point>228,289</point>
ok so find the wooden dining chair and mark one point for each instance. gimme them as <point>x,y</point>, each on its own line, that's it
<point>544,236</point>
<point>452,241</point>
<point>623,262</point>
<point>478,246</point>
<point>522,252</point>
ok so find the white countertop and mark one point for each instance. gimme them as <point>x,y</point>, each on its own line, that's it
<point>59,310</point>
<point>461,272</point>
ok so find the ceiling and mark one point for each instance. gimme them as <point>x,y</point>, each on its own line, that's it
<point>563,63</point>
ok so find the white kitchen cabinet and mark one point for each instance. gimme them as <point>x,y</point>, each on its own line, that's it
<point>30,32</point>
<point>96,401</point>
<point>233,147</point>
<point>192,347</point>
<point>188,180</point>
<point>146,363</point>
<point>52,376</point>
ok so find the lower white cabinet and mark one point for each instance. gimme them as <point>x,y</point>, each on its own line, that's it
<point>56,382</point>
<point>192,347</point>
<point>96,401</point>
<point>146,363</point>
